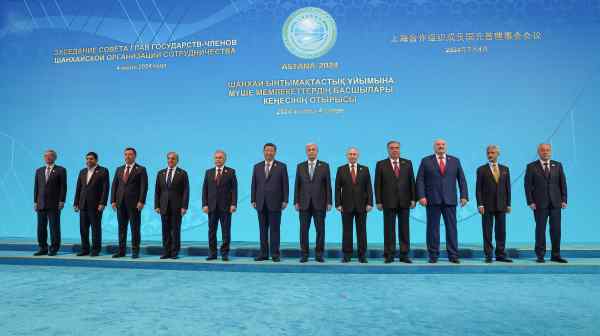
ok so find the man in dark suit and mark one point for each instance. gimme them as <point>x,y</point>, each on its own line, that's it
<point>493,202</point>
<point>312,198</point>
<point>219,201</point>
<point>128,196</point>
<point>171,200</point>
<point>354,199</point>
<point>269,196</point>
<point>91,195</point>
<point>49,193</point>
<point>395,195</point>
<point>546,193</point>
<point>436,190</point>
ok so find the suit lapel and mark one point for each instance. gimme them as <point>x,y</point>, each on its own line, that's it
<point>349,173</point>
<point>488,172</point>
<point>359,170</point>
<point>175,174</point>
<point>131,173</point>
<point>273,166</point>
<point>437,165</point>
<point>502,172</point>
<point>49,174</point>
<point>224,175</point>
<point>540,168</point>
<point>390,167</point>
<point>212,174</point>
<point>93,175</point>
<point>316,171</point>
<point>163,178</point>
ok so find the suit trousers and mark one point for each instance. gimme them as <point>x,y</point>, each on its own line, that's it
<point>51,218</point>
<point>214,217</point>
<point>434,212</point>
<point>90,218</point>
<point>269,223</point>
<point>318,217</point>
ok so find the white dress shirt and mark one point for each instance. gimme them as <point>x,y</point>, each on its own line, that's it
<point>90,172</point>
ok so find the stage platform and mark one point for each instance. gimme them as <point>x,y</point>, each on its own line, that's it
<point>64,294</point>
<point>583,259</point>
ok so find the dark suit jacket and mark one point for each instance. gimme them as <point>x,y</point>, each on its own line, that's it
<point>318,189</point>
<point>391,191</point>
<point>90,195</point>
<point>221,196</point>
<point>134,190</point>
<point>489,194</point>
<point>272,190</point>
<point>545,191</point>
<point>350,196</point>
<point>440,189</point>
<point>47,195</point>
<point>176,196</point>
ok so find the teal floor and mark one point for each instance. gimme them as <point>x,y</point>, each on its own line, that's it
<point>56,300</point>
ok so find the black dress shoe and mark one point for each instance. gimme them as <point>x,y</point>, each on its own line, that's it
<point>303,259</point>
<point>52,253</point>
<point>260,258</point>
<point>559,260</point>
<point>540,260</point>
<point>211,257</point>
<point>135,255</point>
<point>388,260</point>
<point>82,253</point>
<point>319,259</point>
<point>225,258</point>
<point>175,256</point>
<point>454,261</point>
<point>406,260</point>
<point>362,260</point>
<point>488,260</point>
<point>432,260</point>
<point>346,259</point>
<point>165,256</point>
<point>40,253</point>
<point>118,255</point>
<point>94,254</point>
<point>276,259</point>
<point>505,260</point>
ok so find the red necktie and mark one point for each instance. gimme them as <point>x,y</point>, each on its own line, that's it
<point>442,166</point>
<point>353,174</point>
<point>396,169</point>
<point>126,175</point>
